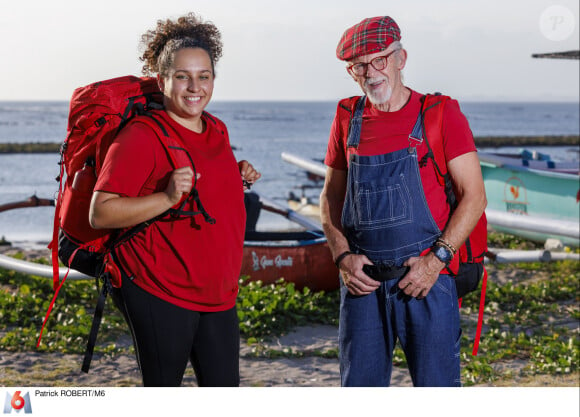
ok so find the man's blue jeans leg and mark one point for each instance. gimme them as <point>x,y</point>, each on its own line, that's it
<point>430,333</point>
<point>428,330</point>
<point>365,357</point>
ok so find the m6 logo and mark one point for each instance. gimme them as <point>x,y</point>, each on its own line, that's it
<point>17,403</point>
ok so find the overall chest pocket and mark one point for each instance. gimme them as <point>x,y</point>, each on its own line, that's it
<point>383,203</point>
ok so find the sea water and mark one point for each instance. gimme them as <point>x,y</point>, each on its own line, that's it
<point>259,132</point>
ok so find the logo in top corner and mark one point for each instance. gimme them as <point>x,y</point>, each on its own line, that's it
<point>557,23</point>
<point>17,403</point>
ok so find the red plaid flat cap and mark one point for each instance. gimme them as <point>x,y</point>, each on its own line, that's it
<point>371,35</point>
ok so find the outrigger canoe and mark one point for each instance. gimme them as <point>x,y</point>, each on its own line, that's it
<point>300,257</point>
<point>528,196</point>
<point>532,196</point>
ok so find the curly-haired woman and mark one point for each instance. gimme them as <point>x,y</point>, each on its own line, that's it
<point>180,275</point>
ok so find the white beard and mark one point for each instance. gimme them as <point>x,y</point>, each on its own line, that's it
<point>381,96</point>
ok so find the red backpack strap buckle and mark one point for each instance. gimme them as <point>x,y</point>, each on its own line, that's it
<point>113,270</point>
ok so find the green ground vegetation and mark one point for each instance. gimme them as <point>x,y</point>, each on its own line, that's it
<point>531,319</point>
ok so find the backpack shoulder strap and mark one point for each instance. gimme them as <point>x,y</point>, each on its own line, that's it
<point>168,142</point>
<point>173,147</point>
<point>217,123</point>
<point>349,104</point>
<point>349,107</point>
<point>214,120</point>
<point>429,128</point>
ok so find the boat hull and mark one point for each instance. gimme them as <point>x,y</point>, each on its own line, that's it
<point>304,263</point>
<point>521,194</point>
<point>536,194</point>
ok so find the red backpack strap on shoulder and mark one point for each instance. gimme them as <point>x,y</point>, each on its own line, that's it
<point>432,108</point>
<point>179,157</point>
<point>162,134</point>
<point>348,107</point>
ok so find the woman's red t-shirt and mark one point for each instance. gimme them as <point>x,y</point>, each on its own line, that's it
<point>385,132</point>
<point>187,262</point>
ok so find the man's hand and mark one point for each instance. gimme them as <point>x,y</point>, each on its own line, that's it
<point>422,275</point>
<point>357,282</point>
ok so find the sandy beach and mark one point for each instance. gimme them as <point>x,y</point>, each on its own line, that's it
<point>43,369</point>
<point>55,369</point>
<point>300,362</point>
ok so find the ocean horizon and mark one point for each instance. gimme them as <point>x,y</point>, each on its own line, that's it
<point>259,132</point>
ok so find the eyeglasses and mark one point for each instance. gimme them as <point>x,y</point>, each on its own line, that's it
<point>379,63</point>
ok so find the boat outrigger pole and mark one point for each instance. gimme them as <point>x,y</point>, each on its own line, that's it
<point>559,55</point>
<point>32,268</point>
<point>32,201</point>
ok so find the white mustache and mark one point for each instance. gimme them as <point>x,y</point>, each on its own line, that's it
<point>375,80</point>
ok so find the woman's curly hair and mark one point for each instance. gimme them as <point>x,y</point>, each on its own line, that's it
<point>189,31</point>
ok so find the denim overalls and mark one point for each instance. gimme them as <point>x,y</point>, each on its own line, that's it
<point>386,218</point>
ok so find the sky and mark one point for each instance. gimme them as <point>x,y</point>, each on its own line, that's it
<point>473,50</point>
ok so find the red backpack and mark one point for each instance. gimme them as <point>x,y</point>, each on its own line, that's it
<point>97,113</point>
<point>428,127</point>
<point>472,252</point>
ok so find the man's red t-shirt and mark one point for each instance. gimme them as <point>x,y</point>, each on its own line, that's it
<point>187,262</point>
<point>385,132</point>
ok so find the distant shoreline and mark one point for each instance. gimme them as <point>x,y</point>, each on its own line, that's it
<point>480,141</point>
<point>29,147</point>
<point>498,141</point>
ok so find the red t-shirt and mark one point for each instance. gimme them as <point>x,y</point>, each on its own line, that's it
<point>385,132</point>
<point>187,262</point>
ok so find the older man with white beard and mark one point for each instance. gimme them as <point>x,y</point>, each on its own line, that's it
<point>387,219</point>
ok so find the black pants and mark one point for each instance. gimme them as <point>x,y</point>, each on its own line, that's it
<point>166,337</point>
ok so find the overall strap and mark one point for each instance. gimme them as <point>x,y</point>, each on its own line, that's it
<point>355,124</point>
<point>417,132</point>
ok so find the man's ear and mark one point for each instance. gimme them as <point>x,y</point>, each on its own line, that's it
<point>402,57</point>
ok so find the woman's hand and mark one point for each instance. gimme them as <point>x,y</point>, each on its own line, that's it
<point>180,182</point>
<point>249,174</point>
<point>113,211</point>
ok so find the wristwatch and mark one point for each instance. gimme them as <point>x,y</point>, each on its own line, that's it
<point>442,253</point>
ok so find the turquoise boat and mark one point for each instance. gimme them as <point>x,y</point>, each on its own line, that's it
<point>531,196</point>
<point>528,194</point>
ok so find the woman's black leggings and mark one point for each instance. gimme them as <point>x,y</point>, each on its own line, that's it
<point>167,336</point>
